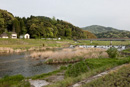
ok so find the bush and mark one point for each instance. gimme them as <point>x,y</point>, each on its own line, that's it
<point>12,81</point>
<point>113,52</point>
<point>12,78</point>
<point>76,69</point>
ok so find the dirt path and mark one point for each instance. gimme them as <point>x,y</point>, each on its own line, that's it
<point>38,83</point>
<point>49,80</point>
<point>55,78</point>
<point>97,76</point>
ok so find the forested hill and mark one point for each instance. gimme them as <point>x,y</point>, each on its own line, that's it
<point>107,32</point>
<point>41,27</point>
<point>99,29</point>
<point>6,20</point>
<point>114,34</point>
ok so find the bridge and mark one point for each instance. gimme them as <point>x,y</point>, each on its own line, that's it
<point>107,39</point>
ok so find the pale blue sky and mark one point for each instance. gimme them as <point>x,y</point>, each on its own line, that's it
<point>110,13</point>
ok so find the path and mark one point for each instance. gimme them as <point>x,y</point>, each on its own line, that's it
<point>49,80</point>
<point>96,76</point>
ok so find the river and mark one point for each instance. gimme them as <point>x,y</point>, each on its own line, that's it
<point>13,64</point>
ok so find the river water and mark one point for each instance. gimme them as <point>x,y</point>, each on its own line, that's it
<point>13,64</point>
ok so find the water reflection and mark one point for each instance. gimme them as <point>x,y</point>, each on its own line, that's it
<point>17,64</point>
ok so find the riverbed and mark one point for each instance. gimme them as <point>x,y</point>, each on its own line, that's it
<point>17,63</point>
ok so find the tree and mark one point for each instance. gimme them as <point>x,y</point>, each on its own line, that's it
<point>22,27</point>
<point>16,26</point>
<point>1,22</point>
<point>54,20</point>
<point>55,32</point>
<point>68,32</point>
<point>33,31</point>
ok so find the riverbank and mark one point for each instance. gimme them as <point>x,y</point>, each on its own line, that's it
<point>22,45</point>
<point>8,50</point>
<point>115,78</point>
<point>74,74</point>
<point>95,66</point>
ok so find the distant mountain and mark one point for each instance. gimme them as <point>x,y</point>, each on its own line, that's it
<point>114,34</point>
<point>99,29</point>
<point>107,32</point>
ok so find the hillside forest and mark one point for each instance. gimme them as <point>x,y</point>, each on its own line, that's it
<point>40,27</point>
<point>107,32</point>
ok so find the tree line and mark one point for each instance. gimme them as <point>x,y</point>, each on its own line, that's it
<point>41,27</point>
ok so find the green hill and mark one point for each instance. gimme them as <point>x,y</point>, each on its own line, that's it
<point>107,32</point>
<point>41,27</point>
<point>114,34</point>
<point>6,20</point>
<point>99,29</point>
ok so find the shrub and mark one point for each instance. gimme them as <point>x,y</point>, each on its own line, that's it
<point>76,69</point>
<point>13,78</point>
<point>113,52</point>
<point>12,81</point>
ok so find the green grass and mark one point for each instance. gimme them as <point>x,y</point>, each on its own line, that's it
<point>44,75</point>
<point>126,50</point>
<point>27,43</point>
<point>14,81</point>
<point>96,66</point>
<point>119,78</point>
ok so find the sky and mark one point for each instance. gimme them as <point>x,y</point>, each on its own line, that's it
<point>81,13</point>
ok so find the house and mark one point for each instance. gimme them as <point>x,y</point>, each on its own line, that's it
<point>14,35</point>
<point>25,36</point>
<point>4,35</point>
<point>59,38</point>
<point>54,38</point>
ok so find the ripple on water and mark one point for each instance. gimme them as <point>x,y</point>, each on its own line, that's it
<point>14,64</point>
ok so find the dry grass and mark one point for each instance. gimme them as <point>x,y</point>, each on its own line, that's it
<point>70,53</point>
<point>18,50</point>
<point>6,50</point>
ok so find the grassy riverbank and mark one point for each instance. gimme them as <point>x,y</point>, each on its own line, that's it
<point>119,78</point>
<point>73,73</point>
<point>22,45</point>
<point>27,43</point>
<point>14,81</point>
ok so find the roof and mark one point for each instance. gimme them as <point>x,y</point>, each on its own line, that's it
<point>4,34</point>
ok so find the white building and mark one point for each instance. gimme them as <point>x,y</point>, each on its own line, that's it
<point>4,35</point>
<point>59,38</point>
<point>25,36</point>
<point>14,35</point>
